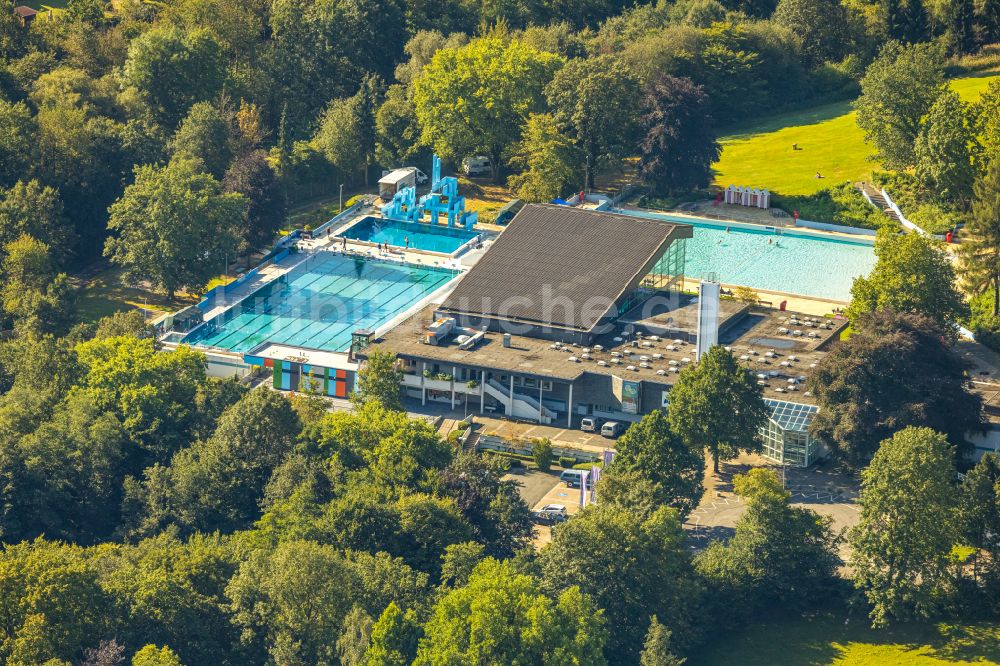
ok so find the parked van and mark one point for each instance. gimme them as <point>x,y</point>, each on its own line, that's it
<point>612,429</point>
<point>476,166</point>
<point>591,423</point>
<point>571,477</point>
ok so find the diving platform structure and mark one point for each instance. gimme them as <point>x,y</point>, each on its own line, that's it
<point>443,199</point>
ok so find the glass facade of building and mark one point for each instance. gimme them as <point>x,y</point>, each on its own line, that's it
<point>666,272</point>
<point>786,436</point>
<point>669,267</point>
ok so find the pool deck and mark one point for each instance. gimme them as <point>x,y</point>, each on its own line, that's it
<point>330,243</point>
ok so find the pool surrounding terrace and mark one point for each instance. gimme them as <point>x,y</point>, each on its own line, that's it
<point>415,235</point>
<point>320,302</point>
<point>774,259</point>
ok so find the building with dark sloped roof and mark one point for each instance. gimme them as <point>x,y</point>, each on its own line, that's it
<point>567,274</point>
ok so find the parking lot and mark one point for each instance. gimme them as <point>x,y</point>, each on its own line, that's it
<point>541,488</point>
<point>818,488</point>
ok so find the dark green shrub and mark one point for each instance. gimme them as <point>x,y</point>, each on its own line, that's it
<point>542,454</point>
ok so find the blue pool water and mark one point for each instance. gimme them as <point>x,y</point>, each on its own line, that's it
<point>422,236</point>
<point>810,266</point>
<point>319,303</point>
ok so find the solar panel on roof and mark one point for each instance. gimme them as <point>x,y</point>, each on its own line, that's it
<point>791,415</point>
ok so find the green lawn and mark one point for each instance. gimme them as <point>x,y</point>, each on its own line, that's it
<point>828,139</point>
<point>824,639</point>
<point>105,293</point>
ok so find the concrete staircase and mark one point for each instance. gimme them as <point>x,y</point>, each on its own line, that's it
<point>520,406</point>
<point>874,196</point>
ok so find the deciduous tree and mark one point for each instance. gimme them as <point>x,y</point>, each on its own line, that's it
<point>913,274</point>
<point>174,227</point>
<point>903,539</point>
<point>779,553</point>
<point>171,69</point>
<point>716,405</point>
<point>473,100</point>
<point>945,161</point>
<point>594,100</point>
<point>897,91</point>
<point>503,617</point>
<point>677,146</point>
<point>652,451</point>
<point>896,370</point>
<point>548,159</point>
<point>633,566</point>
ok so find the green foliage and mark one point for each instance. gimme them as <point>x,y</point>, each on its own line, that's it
<point>292,601</point>
<point>656,649</point>
<point>633,566</point>
<point>913,274</point>
<point>550,162</point>
<point>29,208</point>
<point>650,451</point>
<point>152,393</point>
<point>393,638</point>
<point>944,159</point>
<point>840,204</point>
<point>252,176</point>
<point>216,484</point>
<point>907,528</point>
<point>502,617</point>
<point>174,227</point>
<point>346,134</point>
<point>204,135</point>
<point>17,136</point>
<point>150,655</point>
<point>820,24</point>
<point>593,101</point>
<point>541,453</point>
<point>500,519</point>
<point>379,380</point>
<point>53,605</point>
<point>38,299</point>
<point>779,553</point>
<point>473,100</point>
<point>897,91</point>
<point>170,70</point>
<point>894,371</point>
<point>716,405</point>
<point>979,254</point>
<point>979,519</point>
<point>396,130</point>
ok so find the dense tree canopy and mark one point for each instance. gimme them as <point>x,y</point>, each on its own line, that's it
<point>897,91</point>
<point>907,527</point>
<point>913,274</point>
<point>174,226</point>
<point>716,405</point>
<point>678,146</point>
<point>896,370</point>
<point>473,100</point>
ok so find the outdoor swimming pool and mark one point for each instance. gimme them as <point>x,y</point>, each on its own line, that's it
<point>320,302</point>
<point>761,259</point>
<point>418,235</point>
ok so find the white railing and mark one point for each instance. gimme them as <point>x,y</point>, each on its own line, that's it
<point>902,218</point>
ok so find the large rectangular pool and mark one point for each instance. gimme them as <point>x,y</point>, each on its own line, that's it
<point>415,235</point>
<point>763,258</point>
<point>320,303</point>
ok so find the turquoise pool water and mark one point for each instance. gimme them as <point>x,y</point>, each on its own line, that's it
<point>319,303</point>
<point>810,266</point>
<point>419,235</point>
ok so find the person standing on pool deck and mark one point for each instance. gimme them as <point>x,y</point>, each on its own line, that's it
<point>406,241</point>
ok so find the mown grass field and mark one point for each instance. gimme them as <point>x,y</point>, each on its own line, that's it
<point>823,639</point>
<point>828,139</point>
